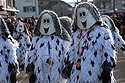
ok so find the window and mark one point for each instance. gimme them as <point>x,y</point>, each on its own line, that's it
<point>29,9</point>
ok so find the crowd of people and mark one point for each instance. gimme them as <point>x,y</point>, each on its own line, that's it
<point>119,20</point>
<point>54,49</point>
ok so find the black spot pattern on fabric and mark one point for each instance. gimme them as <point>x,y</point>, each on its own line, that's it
<point>1,52</point>
<point>59,53</point>
<point>56,47</point>
<point>42,44</point>
<point>90,73</point>
<point>57,42</point>
<point>38,70</point>
<point>28,45</point>
<point>92,63</point>
<point>52,37</point>
<point>8,51</point>
<point>83,58</point>
<point>106,54</point>
<point>20,44</point>
<point>4,47</point>
<point>73,49</point>
<point>111,59</point>
<point>35,59</point>
<point>87,47</point>
<point>6,58</point>
<point>107,37</point>
<point>113,47</point>
<point>32,47</point>
<point>62,48</point>
<point>59,60</point>
<point>89,38</point>
<point>77,77</point>
<point>94,42</point>
<point>98,35</point>
<point>0,64</point>
<point>99,77</point>
<point>7,78</point>
<point>29,58</point>
<point>37,40</point>
<point>48,77</point>
<point>95,53</point>
<point>59,70</point>
<point>118,39</point>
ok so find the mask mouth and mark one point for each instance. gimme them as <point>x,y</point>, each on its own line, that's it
<point>84,24</point>
<point>19,30</point>
<point>46,29</point>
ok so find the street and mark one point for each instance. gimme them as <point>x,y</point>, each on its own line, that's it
<point>119,71</point>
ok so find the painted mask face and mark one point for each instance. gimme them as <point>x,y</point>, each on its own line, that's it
<point>47,25</point>
<point>0,26</point>
<point>107,21</point>
<point>84,18</point>
<point>20,27</point>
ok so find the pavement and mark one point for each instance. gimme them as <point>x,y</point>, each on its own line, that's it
<point>119,71</point>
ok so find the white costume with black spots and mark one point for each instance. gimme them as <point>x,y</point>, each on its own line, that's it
<point>8,58</point>
<point>118,40</point>
<point>21,35</point>
<point>92,51</point>
<point>48,50</point>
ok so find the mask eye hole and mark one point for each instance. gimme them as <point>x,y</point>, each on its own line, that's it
<point>44,21</point>
<point>105,21</point>
<point>47,20</point>
<point>82,14</point>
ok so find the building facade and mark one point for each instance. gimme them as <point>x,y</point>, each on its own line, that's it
<point>60,7</point>
<point>110,5</point>
<point>7,8</point>
<point>28,8</point>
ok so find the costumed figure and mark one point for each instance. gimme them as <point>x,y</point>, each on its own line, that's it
<point>8,58</point>
<point>66,23</point>
<point>22,36</point>
<point>92,52</point>
<point>118,40</point>
<point>48,50</point>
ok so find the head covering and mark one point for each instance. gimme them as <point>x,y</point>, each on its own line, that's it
<point>57,25</point>
<point>66,23</point>
<point>4,31</point>
<point>109,22</point>
<point>21,27</point>
<point>91,9</point>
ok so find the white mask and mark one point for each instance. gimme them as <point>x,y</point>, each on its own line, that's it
<point>106,20</point>
<point>84,18</point>
<point>47,25</point>
<point>20,27</point>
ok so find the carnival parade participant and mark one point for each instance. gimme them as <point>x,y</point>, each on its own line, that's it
<point>118,40</point>
<point>8,58</point>
<point>66,23</point>
<point>22,36</point>
<point>92,51</point>
<point>48,50</point>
